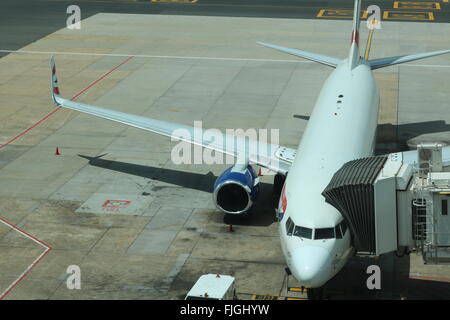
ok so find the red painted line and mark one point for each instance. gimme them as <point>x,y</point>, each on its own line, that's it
<point>30,128</point>
<point>28,270</point>
<point>32,265</point>
<point>58,108</point>
<point>48,248</point>
<point>101,78</point>
<point>12,226</point>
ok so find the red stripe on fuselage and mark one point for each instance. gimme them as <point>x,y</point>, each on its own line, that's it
<point>355,37</point>
<point>283,199</point>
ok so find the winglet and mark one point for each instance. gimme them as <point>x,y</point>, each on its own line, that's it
<point>55,87</point>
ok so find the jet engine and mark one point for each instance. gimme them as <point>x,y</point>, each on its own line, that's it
<point>236,189</point>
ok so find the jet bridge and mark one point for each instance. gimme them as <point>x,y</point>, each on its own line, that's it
<point>398,202</point>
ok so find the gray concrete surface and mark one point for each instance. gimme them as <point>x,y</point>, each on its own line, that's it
<point>160,231</point>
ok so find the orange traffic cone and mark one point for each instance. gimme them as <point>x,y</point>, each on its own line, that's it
<point>57,153</point>
<point>230,228</point>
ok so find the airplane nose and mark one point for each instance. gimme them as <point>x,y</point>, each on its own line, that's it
<point>311,265</point>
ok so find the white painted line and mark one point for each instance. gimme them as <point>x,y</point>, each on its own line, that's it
<point>23,274</point>
<point>32,265</point>
<point>149,56</point>
<point>178,265</point>
<point>188,57</point>
<point>39,242</point>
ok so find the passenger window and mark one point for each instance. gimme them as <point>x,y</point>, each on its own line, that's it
<point>343,227</point>
<point>337,230</point>
<point>303,232</point>
<point>289,227</point>
<point>324,233</point>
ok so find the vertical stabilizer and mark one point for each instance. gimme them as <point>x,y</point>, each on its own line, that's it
<point>353,57</point>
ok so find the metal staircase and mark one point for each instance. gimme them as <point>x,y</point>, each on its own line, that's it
<point>423,221</point>
<point>425,228</point>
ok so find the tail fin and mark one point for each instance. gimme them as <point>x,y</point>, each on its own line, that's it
<point>55,87</point>
<point>353,57</point>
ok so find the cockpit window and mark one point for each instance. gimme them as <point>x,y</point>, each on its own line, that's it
<point>324,233</point>
<point>319,234</point>
<point>303,232</point>
<point>289,227</point>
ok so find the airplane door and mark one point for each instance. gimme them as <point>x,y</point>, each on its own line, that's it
<point>443,220</point>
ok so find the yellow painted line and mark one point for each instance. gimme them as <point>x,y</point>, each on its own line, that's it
<point>174,1</point>
<point>294,289</point>
<point>320,14</point>
<point>339,13</point>
<point>417,5</point>
<point>444,0</point>
<point>369,44</point>
<point>408,15</point>
<point>295,298</point>
<point>265,297</point>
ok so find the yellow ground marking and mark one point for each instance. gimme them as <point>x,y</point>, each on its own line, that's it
<point>320,14</point>
<point>175,1</point>
<point>417,5</point>
<point>369,42</point>
<point>287,298</point>
<point>444,0</point>
<point>339,13</point>
<point>411,16</point>
<point>265,297</point>
<point>294,289</point>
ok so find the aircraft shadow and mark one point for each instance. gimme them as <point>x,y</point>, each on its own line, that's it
<point>261,214</point>
<point>394,137</point>
<point>401,133</point>
<point>395,281</point>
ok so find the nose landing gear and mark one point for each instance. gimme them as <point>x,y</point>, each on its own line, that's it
<point>311,293</point>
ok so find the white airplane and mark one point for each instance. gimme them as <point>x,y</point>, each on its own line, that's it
<point>315,238</point>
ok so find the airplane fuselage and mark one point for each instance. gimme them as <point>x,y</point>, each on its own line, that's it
<point>341,128</point>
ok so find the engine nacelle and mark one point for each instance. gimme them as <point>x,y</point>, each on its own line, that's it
<point>236,189</point>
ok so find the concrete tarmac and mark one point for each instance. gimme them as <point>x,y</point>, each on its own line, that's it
<point>25,21</point>
<point>141,227</point>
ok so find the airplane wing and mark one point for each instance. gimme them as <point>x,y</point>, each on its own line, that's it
<point>386,62</point>
<point>329,61</point>
<point>273,157</point>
